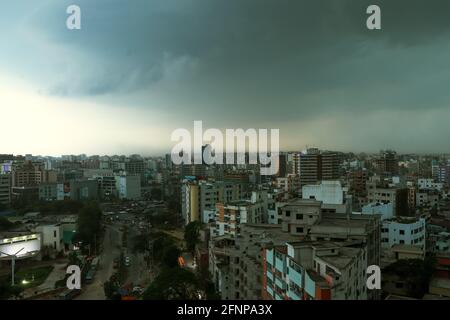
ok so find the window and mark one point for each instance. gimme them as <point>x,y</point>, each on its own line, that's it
<point>54,233</point>
<point>299,229</point>
<point>402,232</point>
<point>299,216</point>
<point>288,213</point>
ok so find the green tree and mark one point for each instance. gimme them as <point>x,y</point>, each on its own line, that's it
<point>141,243</point>
<point>173,284</point>
<point>170,256</point>
<point>160,241</point>
<point>110,287</point>
<point>89,224</point>
<point>191,234</point>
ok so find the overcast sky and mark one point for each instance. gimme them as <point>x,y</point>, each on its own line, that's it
<point>139,69</point>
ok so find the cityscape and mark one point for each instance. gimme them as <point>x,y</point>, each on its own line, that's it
<point>250,152</point>
<point>144,228</point>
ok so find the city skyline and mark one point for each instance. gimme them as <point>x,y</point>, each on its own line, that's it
<point>133,74</point>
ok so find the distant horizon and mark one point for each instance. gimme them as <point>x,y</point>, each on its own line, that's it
<point>164,154</point>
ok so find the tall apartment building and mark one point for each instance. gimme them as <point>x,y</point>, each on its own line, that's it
<point>107,186</point>
<point>28,174</point>
<point>5,189</point>
<point>384,194</point>
<point>134,166</point>
<point>330,166</point>
<point>238,265</point>
<point>198,196</point>
<point>315,271</point>
<point>128,187</point>
<point>316,166</point>
<point>283,165</point>
<point>387,163</point>
<point>310,167</point>
<point>358,179</point>
<point>231,216</point>
<point>441,172</point>
<point>235,263</point>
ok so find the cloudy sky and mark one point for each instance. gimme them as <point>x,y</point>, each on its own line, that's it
<point>139,69</point>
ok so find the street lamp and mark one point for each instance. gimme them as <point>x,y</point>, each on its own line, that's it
<point>13,262</point>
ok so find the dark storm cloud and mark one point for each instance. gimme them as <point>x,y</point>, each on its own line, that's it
<point>292,43</point>
<point>252,62</point>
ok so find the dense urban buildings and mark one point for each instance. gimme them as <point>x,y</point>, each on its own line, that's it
<point>309,232</point>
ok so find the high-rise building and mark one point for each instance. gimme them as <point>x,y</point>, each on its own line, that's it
<point>310,167</point>
<point>198,196</point>
<point>385,194</point>
<point>5,189</point>
<point>283,165</point>
<point>358,179</point>
<point>328,241</point>
<point>387,163</point>
<point>314,270</point>
<point>28,174</point>
<point>441,172</point>
<point>231,216</point>
<point>128,187</point>
<point>329,166</point>
<point>316,166</point>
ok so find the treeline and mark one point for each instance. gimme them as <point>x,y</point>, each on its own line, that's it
<point>49,207</point>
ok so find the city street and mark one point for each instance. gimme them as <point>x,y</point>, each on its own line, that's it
<point>137,272</point>
<point>111,250</point>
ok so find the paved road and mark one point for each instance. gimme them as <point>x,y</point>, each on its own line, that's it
<point>111,250</point>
